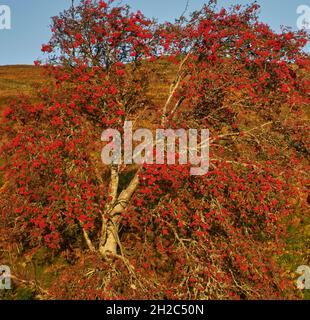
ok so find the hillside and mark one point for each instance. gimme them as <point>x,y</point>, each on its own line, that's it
<point>16,80</point>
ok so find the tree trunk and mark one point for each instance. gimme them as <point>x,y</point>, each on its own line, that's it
<point>110,220</point>
<point>109,246</point>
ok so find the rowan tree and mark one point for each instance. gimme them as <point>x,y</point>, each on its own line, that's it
<point>180,236</point>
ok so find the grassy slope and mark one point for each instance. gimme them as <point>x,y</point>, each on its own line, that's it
<point>16,80</point>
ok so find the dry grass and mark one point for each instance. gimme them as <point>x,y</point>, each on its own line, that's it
<point>17,80</point>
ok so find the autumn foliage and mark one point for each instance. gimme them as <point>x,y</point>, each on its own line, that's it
<point>155,231</point>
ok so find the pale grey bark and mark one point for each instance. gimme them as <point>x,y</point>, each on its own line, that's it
<point>110,220</point>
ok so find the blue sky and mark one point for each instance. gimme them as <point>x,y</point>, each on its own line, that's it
<point>31,19</point>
